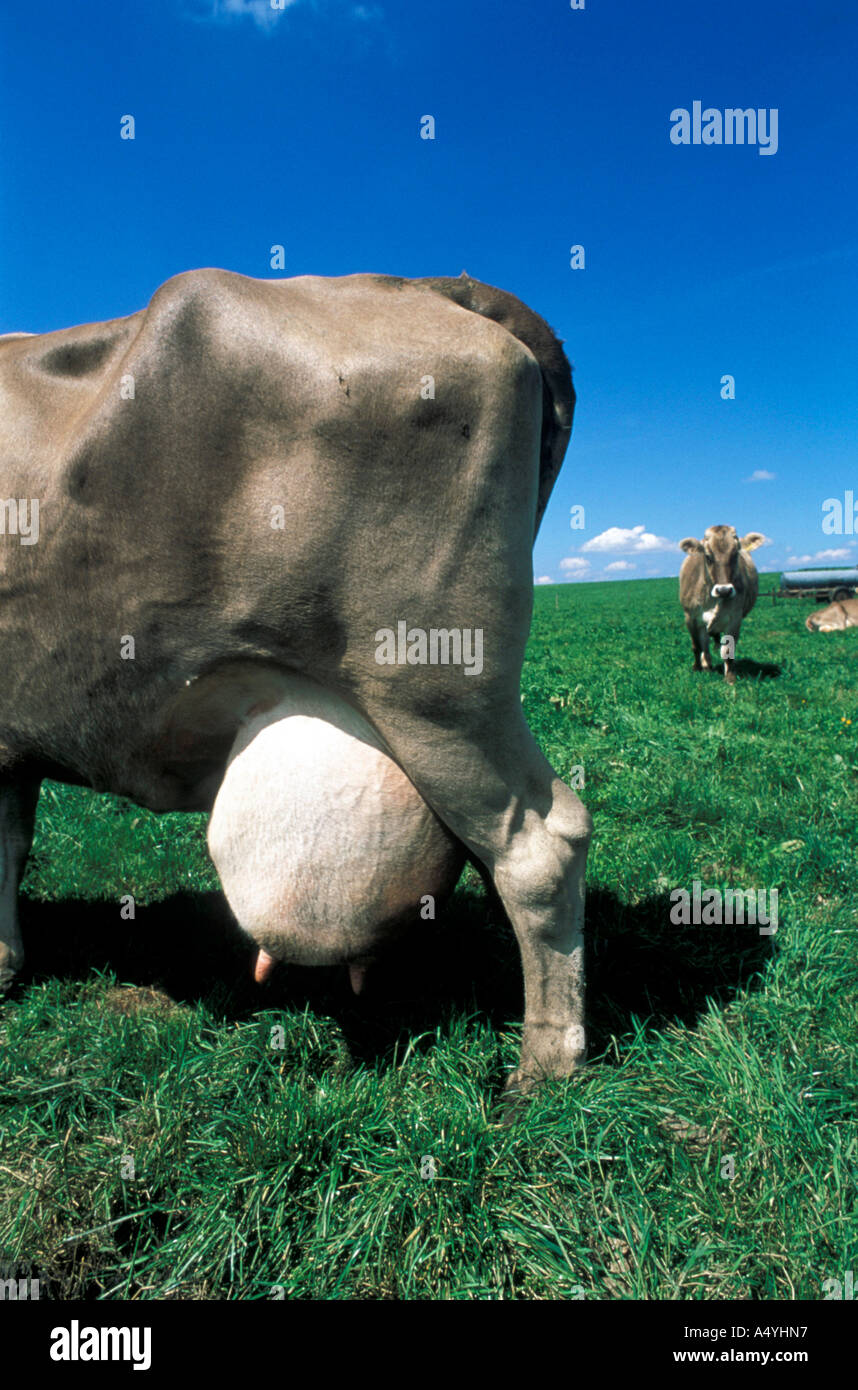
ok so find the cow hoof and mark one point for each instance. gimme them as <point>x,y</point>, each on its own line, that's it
<point>512,1106</point>
<point>730,677</point>
<point>522,1086</point>
<point>519,1083</point>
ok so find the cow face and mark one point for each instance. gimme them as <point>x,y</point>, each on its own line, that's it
<point>720,549</point>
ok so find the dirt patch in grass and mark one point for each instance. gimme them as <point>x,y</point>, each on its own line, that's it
<point>137,999</point>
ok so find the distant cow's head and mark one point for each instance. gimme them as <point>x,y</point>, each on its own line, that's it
<point>720,551</point>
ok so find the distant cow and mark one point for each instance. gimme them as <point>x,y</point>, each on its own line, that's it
<point>717,588</point>
<point>835,617</point>
<point>276,474</point>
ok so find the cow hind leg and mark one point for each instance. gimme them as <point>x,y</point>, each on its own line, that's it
<point>17,818</point>
<point>539,874</point>
<point>501,798</point>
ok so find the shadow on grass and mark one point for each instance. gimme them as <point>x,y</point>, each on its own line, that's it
<point>638,964</point>
<point>746,669</point>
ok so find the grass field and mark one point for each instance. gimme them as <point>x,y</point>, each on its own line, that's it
<point>156,1145</point>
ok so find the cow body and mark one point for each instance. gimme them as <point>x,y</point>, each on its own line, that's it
<point>718,587</point>
<point>250,479</point>
<point>835,618</point>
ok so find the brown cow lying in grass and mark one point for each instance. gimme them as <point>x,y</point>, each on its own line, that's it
<point>835,617</point>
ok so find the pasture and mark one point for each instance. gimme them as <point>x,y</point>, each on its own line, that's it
<point>154,1144</point>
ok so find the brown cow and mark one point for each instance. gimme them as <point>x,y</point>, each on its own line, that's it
<point>717,588</point>
<point>835,617</point>
<point>273,475</point>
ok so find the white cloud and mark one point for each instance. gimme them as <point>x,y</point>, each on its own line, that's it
<point>843,553</point>
<point>620,565</point>
<point>628,539</point>
<point>574,565</point>
<point>544,579</point>
<point>264,16</point>
<point>260,11</point>
<point>761,475</point>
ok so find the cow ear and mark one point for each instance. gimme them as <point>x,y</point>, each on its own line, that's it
<point>690,544</point>
<point>751,541</point>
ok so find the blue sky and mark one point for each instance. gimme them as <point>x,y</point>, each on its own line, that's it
<point>256,127</point>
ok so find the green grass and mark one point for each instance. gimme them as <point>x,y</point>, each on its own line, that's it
<point>298,1168</point>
